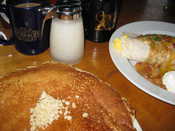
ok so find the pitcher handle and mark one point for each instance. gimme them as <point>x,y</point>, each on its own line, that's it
<point>48,12</point>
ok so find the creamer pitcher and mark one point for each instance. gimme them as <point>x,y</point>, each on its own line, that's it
<point>67,33</point>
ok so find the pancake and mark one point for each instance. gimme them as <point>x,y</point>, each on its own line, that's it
<point>57,97</point>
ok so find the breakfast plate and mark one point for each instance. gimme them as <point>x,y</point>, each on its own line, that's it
<point>136,124</point>
<point>127,68</point>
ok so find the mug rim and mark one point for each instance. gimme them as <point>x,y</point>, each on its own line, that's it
<point>25,8</point>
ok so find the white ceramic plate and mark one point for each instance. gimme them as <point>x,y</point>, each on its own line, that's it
<point>126,67</point>
<point>136,124</point>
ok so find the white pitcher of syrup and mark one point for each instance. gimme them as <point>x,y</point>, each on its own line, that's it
<point>67,33</point>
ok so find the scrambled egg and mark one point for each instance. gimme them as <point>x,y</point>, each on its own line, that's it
<point>118,42</point>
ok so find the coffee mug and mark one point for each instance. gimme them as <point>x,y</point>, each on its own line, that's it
<point>100,18</point>
<point>30,26</point>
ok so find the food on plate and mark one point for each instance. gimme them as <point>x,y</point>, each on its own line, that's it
<point>168,80</point>
<point>151,48</point>
<point>154,53</point>
<point>132,48</point>
<point>59,97</point>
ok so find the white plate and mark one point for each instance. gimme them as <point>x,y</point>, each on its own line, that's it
<point>136,124</point>
<point>126,67</point>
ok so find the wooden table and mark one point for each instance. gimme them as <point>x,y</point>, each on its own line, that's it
<point>152,114</point>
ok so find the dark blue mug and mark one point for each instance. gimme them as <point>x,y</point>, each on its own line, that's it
<point>30,26</point>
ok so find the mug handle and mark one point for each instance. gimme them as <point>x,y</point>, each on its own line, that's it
<point>3,38</point>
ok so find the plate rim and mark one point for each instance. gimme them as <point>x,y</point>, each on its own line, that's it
<point>154,90</point>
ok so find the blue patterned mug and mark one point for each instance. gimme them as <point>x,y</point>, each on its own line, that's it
<point>30,26</point>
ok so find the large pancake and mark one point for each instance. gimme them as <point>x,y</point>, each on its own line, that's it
<point>97,107</point>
